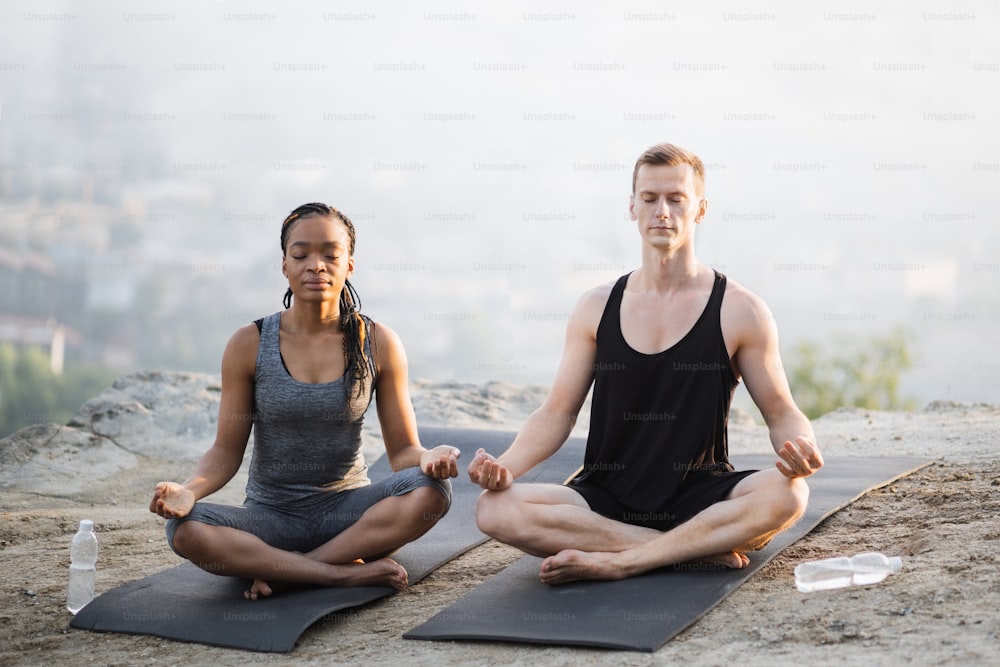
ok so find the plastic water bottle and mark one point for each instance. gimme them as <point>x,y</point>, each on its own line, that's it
<point>860,570</point>
<point>82,568</point>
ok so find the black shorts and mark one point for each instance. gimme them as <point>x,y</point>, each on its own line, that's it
<point>698,491</point>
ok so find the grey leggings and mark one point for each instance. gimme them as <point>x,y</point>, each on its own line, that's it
<point>303,528</point>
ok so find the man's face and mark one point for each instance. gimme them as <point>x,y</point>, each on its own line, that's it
<point>666,204</point>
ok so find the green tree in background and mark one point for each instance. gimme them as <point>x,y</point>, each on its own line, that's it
<point>27,388</point>
<point>860,372</point>
<point>30,393</point>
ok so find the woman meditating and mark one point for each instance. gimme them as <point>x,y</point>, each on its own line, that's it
<point>303,379</point>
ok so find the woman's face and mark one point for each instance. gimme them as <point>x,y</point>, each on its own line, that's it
<point>317,259</point>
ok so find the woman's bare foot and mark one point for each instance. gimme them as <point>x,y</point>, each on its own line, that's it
<point>382,572</point>
<point>262,589</point>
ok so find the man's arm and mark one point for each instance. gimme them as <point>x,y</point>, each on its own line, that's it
<point>758,359</point>
<point>547,428</point>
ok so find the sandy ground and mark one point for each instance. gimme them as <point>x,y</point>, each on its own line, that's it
<point>942,609</point>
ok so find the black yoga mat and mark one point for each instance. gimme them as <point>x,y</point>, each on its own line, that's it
<point>188,604</point>
<point>644,612</point>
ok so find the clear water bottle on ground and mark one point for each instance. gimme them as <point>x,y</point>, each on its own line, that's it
<point>82,568</point>
<point>860,570</point>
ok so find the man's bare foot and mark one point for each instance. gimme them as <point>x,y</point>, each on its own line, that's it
<point>572,565</point>
<point>735,560</point>
<point>382,572</point>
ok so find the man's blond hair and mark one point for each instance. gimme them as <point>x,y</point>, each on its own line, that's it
<point>670,155</point>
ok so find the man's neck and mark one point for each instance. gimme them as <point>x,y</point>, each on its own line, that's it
<point>668,271</point>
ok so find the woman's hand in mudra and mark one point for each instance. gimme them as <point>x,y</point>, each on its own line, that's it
<point>440,462</point>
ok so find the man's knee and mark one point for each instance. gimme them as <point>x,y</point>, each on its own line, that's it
<point>778,501</point>
<point>486,511</point>
<point>493,514</point>
<point>791,502</point>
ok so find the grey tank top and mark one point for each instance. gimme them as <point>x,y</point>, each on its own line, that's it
<point>307,437</point>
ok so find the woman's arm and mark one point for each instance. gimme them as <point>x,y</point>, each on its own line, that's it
<point>221,462</point>
<point>396,415</point>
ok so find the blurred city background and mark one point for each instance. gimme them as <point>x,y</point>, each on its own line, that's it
<point>149,151</point>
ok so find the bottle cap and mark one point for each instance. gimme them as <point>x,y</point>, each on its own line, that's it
<point>895,563</point>
<point>86,524</point>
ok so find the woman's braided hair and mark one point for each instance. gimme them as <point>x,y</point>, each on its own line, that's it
<point>354,325</point>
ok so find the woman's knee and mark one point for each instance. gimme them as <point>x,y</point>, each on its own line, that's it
<point>432,502</point>
<point>432,491</point>
<point>188,538</point>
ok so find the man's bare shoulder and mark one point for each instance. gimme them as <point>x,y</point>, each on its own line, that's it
<point>597,296</point>
<point>590,306</point>
<point>587,313</point>
<point>743,308</point>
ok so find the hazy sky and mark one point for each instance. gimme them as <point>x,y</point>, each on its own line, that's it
<point>485,152</point>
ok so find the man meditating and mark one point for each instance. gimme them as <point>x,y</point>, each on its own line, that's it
<point>665,347</point>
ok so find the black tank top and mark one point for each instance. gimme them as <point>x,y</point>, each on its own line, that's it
<point>655,417</point>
